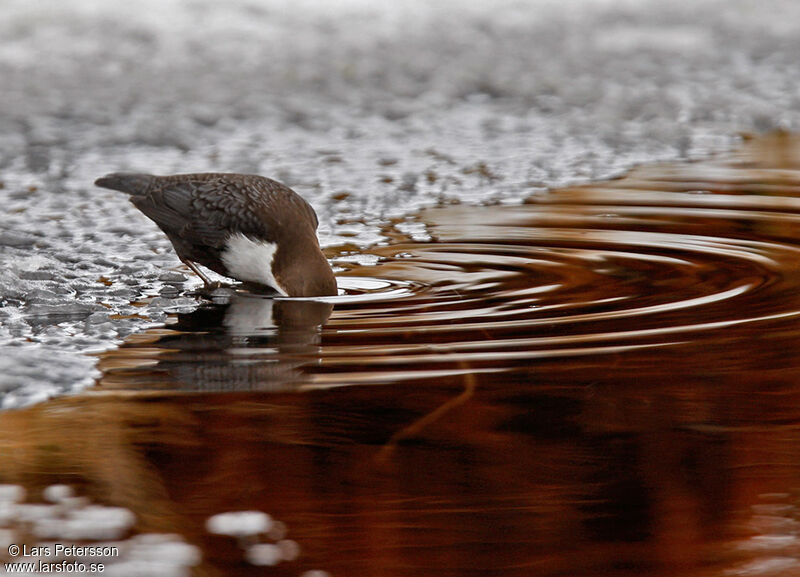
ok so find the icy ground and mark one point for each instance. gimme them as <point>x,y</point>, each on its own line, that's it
<point>369,109</point>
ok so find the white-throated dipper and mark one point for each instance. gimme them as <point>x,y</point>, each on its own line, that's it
<point>243,226</point>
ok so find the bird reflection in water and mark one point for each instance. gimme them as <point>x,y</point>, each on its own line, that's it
<point>238,342</point>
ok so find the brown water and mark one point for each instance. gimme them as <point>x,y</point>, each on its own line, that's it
<point>603,381</point>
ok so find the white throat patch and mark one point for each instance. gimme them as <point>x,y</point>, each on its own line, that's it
<point>251,260</point>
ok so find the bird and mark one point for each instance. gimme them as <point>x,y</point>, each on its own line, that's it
<point>243,226</point>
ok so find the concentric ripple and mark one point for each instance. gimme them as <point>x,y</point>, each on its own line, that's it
<point>664,263</point>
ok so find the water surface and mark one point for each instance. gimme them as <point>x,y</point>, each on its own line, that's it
<point>602,381</point>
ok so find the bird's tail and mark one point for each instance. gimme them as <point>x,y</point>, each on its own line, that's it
<point>130,182</point>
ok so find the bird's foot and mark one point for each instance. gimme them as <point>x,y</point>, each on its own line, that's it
<point>211,289</point>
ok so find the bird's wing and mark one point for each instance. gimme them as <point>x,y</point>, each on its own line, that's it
<point>222,206</point>
<point>169,205</point>
<point>204,209</point>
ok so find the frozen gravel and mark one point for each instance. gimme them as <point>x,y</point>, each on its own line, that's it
<point>370,110</point>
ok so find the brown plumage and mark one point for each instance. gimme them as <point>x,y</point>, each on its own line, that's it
<point>230,222</point>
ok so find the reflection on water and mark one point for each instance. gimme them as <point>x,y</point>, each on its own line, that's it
<point>240,342</point>
<point>603,381</point>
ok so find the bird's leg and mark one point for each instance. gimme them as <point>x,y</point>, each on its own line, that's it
<point>206,281</point>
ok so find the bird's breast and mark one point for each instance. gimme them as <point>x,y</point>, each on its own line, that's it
<point>251,260</point>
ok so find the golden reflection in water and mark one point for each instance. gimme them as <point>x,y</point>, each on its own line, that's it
<point>618,365</point>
